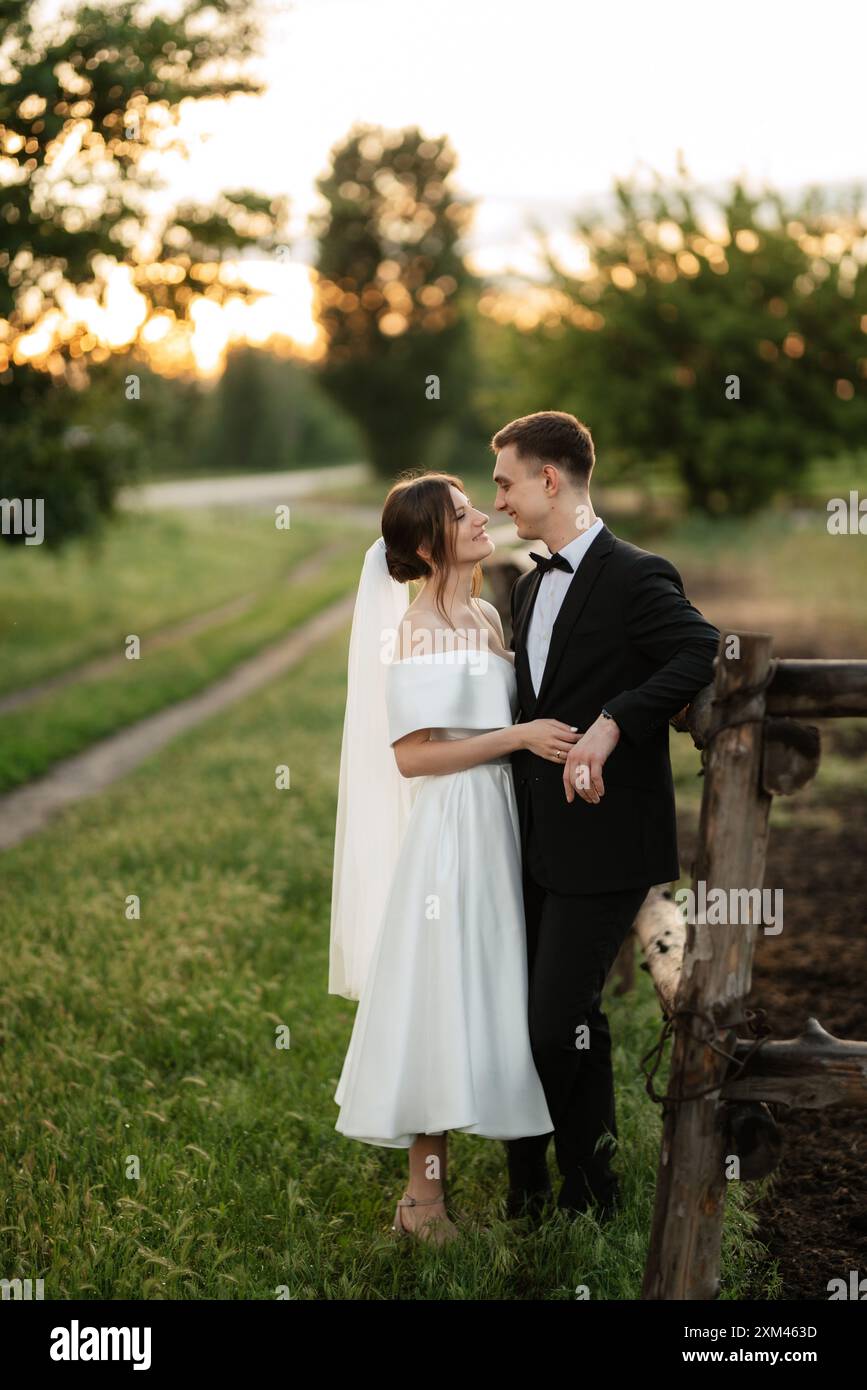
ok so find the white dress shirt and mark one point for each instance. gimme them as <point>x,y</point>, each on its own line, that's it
<point>549,598</point>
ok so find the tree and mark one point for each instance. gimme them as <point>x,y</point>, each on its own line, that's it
<point>270,413</point>
<point>730,340</point>
<point>85,104</point>
<point>393,293</point>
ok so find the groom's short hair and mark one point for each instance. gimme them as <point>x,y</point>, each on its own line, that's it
<point>551,436</point>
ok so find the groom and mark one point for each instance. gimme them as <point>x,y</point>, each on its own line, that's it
<point>605,640</point>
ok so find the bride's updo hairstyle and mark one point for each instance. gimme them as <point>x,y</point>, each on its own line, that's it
<point>419,511</point>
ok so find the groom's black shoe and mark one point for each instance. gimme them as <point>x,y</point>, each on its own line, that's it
<point>590,1195</point>
<point>529,1180</point>
<point>601,1212</point>
<point>530,1202</point>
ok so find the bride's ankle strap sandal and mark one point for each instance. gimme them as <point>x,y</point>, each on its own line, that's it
<point>446,1228</point>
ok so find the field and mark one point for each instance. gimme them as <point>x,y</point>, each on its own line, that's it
<point>159,1144</point>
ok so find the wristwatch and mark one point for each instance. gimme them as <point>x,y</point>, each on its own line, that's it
<point>606,715</point>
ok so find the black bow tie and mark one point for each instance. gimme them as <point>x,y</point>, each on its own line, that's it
<point>556,561</point>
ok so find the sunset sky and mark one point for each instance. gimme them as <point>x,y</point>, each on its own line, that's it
<point>545,103</point>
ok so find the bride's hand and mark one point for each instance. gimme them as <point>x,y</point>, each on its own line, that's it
<point>548,738</point>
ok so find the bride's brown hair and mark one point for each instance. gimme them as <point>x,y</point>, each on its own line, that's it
<point>419,511</point>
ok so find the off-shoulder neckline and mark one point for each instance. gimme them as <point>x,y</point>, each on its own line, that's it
<point>426,656</point>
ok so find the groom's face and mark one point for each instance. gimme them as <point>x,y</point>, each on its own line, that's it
<point>520,492</point>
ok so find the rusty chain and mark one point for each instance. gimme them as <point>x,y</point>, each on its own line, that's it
<point>754,1019</point>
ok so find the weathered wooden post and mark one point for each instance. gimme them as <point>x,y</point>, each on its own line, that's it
<point>683,1261</point>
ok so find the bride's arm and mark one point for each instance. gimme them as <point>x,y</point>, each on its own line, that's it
<point>418,755</point>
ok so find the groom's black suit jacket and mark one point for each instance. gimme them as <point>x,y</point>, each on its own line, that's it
<point>626,637</point>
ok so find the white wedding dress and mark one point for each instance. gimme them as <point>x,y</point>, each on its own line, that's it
<point>440,1040</point>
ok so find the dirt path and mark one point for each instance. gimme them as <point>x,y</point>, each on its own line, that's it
<point>27,810</point>
<point>244,489</point>
<point>165,637</point>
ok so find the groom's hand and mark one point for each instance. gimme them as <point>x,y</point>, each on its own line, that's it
<point>589,755</point>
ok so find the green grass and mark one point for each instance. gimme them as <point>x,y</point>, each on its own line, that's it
<point>66,721</point>
<point>156,1038</point>
<point>57,609</point>
<point>833,477</point>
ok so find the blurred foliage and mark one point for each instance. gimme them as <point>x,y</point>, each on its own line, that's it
<point>262,414</point>
<point>715,345</point>
<point>675,303</point>
<point>85,103</point>
<point>269,413</point>
<point>72,448</point>
<point>393,296</point>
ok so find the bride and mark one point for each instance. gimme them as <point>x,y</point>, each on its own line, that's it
<point>427,917</point>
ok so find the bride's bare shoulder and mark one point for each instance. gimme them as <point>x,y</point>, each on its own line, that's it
<point>414,622</point>
<point>492,614</point>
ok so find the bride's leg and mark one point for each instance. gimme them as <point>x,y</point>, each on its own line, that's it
<point>427,1175</point>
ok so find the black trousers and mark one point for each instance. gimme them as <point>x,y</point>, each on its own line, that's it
<point>572,942</point>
